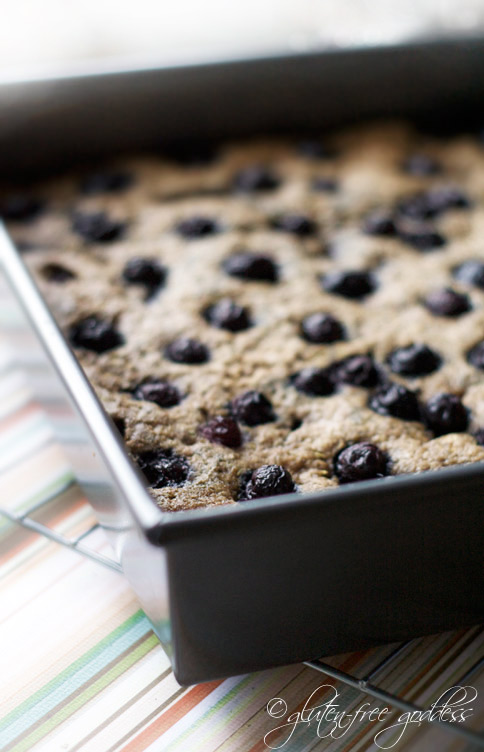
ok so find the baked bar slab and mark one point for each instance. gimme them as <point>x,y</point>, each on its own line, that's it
<point>236,248</point>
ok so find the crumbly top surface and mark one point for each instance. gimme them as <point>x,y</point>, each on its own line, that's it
<point>312,213</point>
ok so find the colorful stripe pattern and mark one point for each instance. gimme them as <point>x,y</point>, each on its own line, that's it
<point>82,671</point>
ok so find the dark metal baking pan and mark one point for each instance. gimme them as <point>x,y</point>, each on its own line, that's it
<point>246,587</point>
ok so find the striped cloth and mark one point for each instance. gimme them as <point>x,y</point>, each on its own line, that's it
<point>81,669</point>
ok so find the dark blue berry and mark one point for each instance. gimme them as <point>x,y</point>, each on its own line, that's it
<point>447,302</point>
<point>422,237</point>
<point>479,436</point>
<point>421,165</point>
<point>252,266</point>
<point>414,360</point>
<point>225,314</point>
<point>96,334</point>
<point>98,227</point>
<point>325,185</point>
<point>355,370</point>
<point>222,430</point>
<point>147,272</point>
<point>57,273</point>
<point>296,224</point>
<point>395,400</point>
<point>252,408</point>
<point>447,197</point>
<point>322,328</point>
<point>415,207</point>
<point>315,149</point>
<point>355,285</point>
<point>163,467</point>
<point>267,480</point>
<point>25,246</point>
<point>475,356</point>
<point>20,208</point>
<point>162,393</point>
<point>470,272</point>
<point>433,203</point>
<point>361,461</point>
<point>313,381</point>
<point>106,182</point>
<point>187,350</point>
<point>197,227</point>
<point>256,178</point>
<point>445,413</point>
<point>380,222</point>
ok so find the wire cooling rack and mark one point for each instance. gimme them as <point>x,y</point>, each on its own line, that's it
<point>81,543</point>
<point>367,685</point>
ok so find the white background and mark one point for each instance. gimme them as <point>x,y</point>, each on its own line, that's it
<point>39,34</point>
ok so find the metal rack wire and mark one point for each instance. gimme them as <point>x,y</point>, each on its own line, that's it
<point>79,543</point>
<point>366,684</point>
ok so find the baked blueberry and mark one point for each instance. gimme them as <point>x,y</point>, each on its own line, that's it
<point>380,222</point>
<point>351,284</point>
<point>267,480</point>
<point>433,203</point>
<point>253,266</point>
<point>446,197</point>
<point>252,408</point>
<point>163,467</point>
<point>161,392</point>
<point>222,430</point>
<point>296,224</point>
<point>147,272</point>
<point>416,207</point>
<point>97,227</point>
<point>192,153</point>
<point>57,273</point>
<point>20,208</point>
<point>315,149</point>
<point>25,246</point>
<point>197,226</point>
<point>112,181</point>
<point>475,356</point>
<point>313,381</point>
<point>395,400</point>
<point>361,461</point>
<point>445,413</point>
<point>414,360</point>
<point>225,314</point>
<point>479,436</point>
<point>256,178</point>
<point>355,370</point>
<point>421,165</point>
<point>447,302</point>
<point>470,272</point>
<point>420,236</point>
<point>325,185</point>
<point>187,350</point>
<point>322,328</point>
<point>96,334</point>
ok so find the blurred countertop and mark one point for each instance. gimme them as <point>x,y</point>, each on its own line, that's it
<point>53,34</point>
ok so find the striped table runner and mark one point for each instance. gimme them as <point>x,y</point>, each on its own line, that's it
<point>81,669</point>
